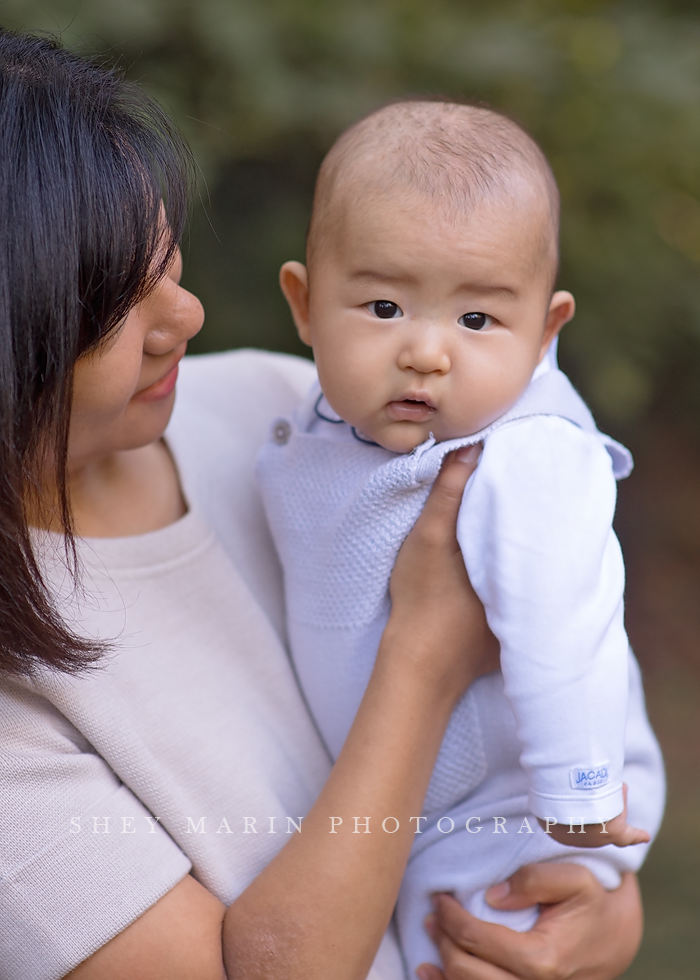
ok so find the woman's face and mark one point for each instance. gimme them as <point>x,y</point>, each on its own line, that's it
<point>123,393</point>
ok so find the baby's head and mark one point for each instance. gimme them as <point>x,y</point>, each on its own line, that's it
<point>432,255</point>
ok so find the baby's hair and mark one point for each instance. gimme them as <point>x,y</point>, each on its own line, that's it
<point>457,155</point>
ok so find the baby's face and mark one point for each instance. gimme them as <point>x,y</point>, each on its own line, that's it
<point>421,326</point>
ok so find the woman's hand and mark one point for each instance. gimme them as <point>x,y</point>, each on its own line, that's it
<point>583,933</point>
<point>434,608</point>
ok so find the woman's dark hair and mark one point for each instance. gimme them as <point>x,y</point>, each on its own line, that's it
<point>86,161</point>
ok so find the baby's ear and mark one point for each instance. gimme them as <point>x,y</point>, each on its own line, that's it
<point>294,282</point>
<point>561,309</point>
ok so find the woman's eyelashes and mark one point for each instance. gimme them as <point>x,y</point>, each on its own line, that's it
<point>385,309</point>
<point>475,321</point>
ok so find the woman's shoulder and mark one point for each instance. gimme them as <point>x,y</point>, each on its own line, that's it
<point>224,410</point>
<point>225,407</point>
<point>265,381</point>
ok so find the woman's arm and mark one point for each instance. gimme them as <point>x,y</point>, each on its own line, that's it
<point>322,905</point>
<point>583,933</point>
<point>333,892</point>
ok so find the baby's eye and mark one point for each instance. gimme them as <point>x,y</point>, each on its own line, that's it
<point>385,309</point>
<point>475,321</point>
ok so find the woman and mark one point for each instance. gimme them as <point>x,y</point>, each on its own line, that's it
<point>155,752</point>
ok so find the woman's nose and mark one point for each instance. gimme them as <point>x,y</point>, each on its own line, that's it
<point>425,352</point>
<point>190,314</point>
<point>176,316</point>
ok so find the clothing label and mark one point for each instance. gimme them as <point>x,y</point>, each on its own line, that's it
<point>590,778</point>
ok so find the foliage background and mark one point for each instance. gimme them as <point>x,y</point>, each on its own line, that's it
<point>612,92</point>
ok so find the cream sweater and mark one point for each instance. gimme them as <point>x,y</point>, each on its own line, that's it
<point>190,747</point>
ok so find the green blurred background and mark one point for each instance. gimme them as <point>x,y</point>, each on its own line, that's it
<point>612,92</point>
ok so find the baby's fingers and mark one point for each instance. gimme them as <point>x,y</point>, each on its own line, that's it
<point>621,834</point>
<point>630,835</point>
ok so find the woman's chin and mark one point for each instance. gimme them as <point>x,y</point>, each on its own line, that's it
<point>146,422</point>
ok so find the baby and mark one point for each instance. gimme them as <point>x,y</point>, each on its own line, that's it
<point>428,301</point>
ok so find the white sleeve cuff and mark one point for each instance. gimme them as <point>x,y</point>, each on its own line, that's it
<point>598,808</point>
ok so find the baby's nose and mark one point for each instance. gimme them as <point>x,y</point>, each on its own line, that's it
<point>425,353</point>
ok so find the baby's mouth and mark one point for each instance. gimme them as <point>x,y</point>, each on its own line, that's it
<point>410,410</point>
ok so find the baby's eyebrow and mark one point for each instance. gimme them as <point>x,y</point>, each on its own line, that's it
<point>507,292</point>
<point>373,275</point>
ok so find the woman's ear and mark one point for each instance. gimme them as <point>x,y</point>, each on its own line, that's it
<point>561,309</point>
<point>294,282</point>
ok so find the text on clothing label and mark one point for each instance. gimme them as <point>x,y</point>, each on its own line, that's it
<point>591,777</point>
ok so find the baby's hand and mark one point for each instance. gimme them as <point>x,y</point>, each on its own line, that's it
<point>616,831</point>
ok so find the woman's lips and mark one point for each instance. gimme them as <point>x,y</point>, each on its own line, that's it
<point>161,389</point>
<point>409,410</point>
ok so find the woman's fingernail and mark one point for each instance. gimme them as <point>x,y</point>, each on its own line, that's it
<point>498,892</point>
<point>469,454</point>
<point>429,923</point>
<point>424,973</point>
<point>435,899</point>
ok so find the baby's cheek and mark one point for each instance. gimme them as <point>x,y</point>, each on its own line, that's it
<point>340,393</point>
<point>472,411</point>
<point>352,383</point>
<point>493,392</point>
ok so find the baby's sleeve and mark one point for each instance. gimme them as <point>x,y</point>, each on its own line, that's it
<point>535,529</point>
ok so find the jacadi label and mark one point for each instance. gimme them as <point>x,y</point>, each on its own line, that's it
<point>589,777</point>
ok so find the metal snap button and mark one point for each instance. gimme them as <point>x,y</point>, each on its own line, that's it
<point>281,432</point>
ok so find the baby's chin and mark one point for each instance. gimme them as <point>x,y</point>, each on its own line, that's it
<point>404,437</point>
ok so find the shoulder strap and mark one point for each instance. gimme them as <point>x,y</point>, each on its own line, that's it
<point>550,394</point>
<point>553,394</point>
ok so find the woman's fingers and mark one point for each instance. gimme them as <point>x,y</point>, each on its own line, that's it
<point>461,966</point>
<point>501,949</point>
<point>541,884</point>
<point>429,569</point>
<point>439,517</point>
<point>434,538</point>
<point>433,602</point>
<point>458,964</point>
<point>582,930</point>
<point>429,972</point>
<point>431,541</point>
